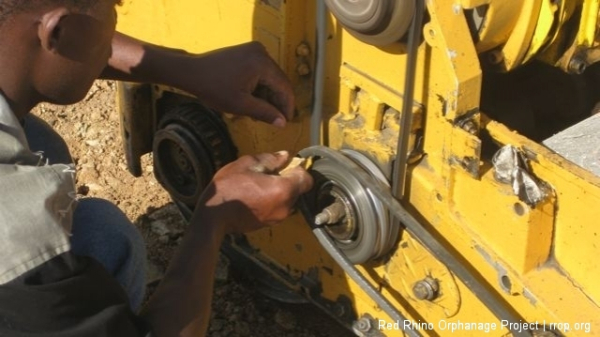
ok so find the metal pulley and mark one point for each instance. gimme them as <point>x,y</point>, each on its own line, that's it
<point>191,144</point>
<point>352,216</point>
<point>376,22</point>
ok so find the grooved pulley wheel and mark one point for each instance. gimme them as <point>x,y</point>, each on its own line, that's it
<point>191,144</point>
<point>377,22</point>
<point>362,228</point>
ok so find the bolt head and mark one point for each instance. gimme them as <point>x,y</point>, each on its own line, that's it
<point>577,65</point>
<point>426,289</point>
<point>471,127</point>
<point>363,325</point>
<point>303,50</point>
<point>303,69</point>
<point>495,57</point>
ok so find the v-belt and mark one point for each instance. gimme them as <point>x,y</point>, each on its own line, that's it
<point>480,289</point>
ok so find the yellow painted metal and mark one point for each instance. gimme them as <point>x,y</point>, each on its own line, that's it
<point>545,23</point>
<point>540,261</point>
<point>555,48</point>
<point>192,25</point>
<point>518,43</point>
<point>588,28</point>
<point>498,22</point>
<point>577,191</point>
<point>456,53</point>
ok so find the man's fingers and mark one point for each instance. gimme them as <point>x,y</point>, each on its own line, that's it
<point>279,90</point>
<point>270,162</point>
<point>301,178</point>
<point>262,110</point>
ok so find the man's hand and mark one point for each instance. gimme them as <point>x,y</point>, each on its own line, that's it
<point>242,79</point>
<point>249,193</point>
<point>243,196</point>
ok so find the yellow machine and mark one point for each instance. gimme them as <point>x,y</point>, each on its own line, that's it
<point>452,142</point>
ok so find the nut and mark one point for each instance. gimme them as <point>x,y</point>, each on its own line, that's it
<point>426,289</point>
<point>303,49</point>
<point>303,69</point>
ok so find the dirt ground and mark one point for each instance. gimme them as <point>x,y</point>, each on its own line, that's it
<point>91,129</point>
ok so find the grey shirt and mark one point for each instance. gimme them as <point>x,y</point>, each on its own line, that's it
<point>36,202</point>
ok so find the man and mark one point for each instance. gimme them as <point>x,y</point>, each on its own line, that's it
<point>53,282</point>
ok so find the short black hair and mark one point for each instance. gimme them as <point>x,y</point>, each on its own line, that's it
<point>9,8</point>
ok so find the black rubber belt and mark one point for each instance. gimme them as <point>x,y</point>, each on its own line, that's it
<point>479,289</point>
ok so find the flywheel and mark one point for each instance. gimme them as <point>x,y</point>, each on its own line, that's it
<point>191,144</point>
<point>377,22</point>
<point>353,217</point>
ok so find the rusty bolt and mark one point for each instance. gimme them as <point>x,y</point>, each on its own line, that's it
<point>303,69</point>
<point>471,127</point>
<point>577,65</point>
<point>495,57</point>
<point>363,324</point>
<point>303,49</point>
<point>426,289</point>
<point>339,310</point>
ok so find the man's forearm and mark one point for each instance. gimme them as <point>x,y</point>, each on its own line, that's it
<point>238,200</point>
<point>136,61</point>
<point>181,304</point>
<point>226,79</point>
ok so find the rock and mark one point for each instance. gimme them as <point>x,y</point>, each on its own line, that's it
<point>168,210</point>
<point>250,314</point>
<point>285,319</point>
<point>94,187</point>
<point>242,328</point>
<point>227,331</point>
<point>222,271</point>
<point>153,273</point>
<point>159,228</point>
<point>83,190</point>
<point>92,142</point>
<point>87,174</point>
<point>217,324</point>
<point>96,115</point>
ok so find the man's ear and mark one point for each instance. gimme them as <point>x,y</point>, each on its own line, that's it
<point>50,28</point>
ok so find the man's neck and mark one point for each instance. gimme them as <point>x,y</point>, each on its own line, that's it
<point>19,106</point>
<point>17,58</point>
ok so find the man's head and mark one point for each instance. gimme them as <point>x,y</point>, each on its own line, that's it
<point>54,49</point>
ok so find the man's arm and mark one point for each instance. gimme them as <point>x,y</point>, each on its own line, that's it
<point>243,196</point>
<point>226,79</point>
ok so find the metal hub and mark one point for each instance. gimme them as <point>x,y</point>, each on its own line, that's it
<point>191,144</point>
<point>353,217</point>
<point>377,22</point>
<point>180,173</point>
<point>330,193</point>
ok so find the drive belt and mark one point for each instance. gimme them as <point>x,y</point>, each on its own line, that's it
<point>479,288</point>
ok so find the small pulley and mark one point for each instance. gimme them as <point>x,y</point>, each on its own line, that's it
<point>352,216</point>
<point>376,22</point>
<point>191,144</point>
